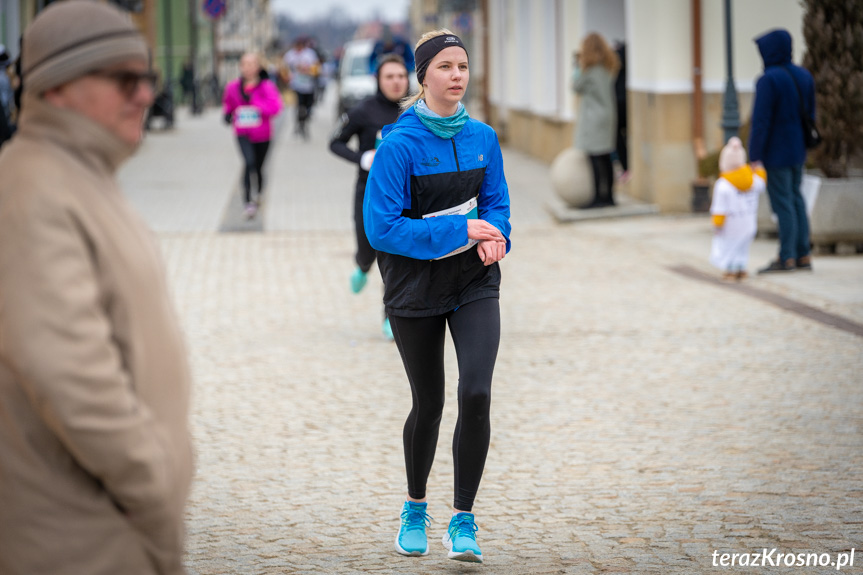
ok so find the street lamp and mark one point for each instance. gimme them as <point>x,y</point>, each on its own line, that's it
<point>730,111</point>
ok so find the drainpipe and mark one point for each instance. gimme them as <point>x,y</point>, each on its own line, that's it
<point>700,187</point>
<point>560,88</point>
<point>697,94</point>
<point>486,103</point>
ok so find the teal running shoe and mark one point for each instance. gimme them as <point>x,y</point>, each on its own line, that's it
<point>460,539</point>
<point>387,329</point>
<point>411,539</point>
<point>358,280</point>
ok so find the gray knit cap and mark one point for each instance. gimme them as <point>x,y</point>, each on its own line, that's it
<point>69,39</point>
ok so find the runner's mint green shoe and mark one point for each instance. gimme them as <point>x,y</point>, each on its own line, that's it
<point>358,280</point>
<point>460,539</point>
<point>411,539</point>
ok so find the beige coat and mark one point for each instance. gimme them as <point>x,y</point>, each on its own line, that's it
<point>95,451</point>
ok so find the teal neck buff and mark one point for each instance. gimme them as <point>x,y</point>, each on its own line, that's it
<point>441,127</point>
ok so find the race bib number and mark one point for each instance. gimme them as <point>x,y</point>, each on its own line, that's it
<point>248,117</point>
<point>468,209</point>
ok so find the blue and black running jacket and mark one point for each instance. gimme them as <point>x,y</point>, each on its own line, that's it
<point>416,172</point>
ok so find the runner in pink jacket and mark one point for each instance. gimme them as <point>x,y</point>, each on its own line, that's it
<point>250,103</point>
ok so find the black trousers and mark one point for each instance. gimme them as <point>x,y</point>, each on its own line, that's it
<point>305,102</point>
<point>475,330</point>
<point>622,151</point>
<point>254,154</point>
<point>603,178</point>
<point>366,254</point>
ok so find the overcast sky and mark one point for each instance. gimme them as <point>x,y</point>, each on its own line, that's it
<point>357,9</point>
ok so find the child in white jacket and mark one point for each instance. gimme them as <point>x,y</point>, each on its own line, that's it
<point>734,210</point>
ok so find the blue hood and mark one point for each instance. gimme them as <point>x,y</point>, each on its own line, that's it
<point>775,47</point>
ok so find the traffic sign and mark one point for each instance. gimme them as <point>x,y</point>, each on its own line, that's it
<point>214,8</point>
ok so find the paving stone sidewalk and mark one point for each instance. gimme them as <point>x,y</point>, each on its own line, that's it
<point>641,420</point>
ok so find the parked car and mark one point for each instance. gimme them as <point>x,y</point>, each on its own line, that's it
<point>356,80</point>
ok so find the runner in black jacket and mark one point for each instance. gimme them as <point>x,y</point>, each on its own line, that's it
<point>365,121</point>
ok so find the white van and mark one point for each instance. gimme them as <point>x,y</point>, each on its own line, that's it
<point>356,80</point>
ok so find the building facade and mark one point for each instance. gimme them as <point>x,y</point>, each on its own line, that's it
<point>177,31</point>
<point>525,49</point>
<point>247,26</point>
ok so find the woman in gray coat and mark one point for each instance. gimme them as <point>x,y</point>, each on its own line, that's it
<point>596,66</point>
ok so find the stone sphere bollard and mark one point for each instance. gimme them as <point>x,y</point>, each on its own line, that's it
<point>571,177</point>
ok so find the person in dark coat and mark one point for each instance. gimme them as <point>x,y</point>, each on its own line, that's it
<point>620,98</point>
<point>776,142</point>
<point>391,44</point>
<point>187,82</point>
<point>7,97</point>
<point>365,121</point>
<point>5,129</point>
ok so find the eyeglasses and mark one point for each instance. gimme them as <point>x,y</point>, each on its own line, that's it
<point>128,81</point>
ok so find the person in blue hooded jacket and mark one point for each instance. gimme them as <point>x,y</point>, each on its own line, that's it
<point>776,142</point>
<point>437,210</point>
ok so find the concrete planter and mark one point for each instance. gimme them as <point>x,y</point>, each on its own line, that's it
<point>835,211</point>
<point>572,181</point>
<point>701,195</point>
<point>572,178</point>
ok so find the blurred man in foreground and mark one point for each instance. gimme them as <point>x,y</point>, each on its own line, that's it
<point>95,452</point>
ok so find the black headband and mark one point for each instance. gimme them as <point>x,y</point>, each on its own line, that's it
<point>430,48</point>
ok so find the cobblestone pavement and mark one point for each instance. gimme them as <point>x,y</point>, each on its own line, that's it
<point>641,420</point>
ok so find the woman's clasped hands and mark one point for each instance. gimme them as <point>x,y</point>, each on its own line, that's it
<point>492,244</point>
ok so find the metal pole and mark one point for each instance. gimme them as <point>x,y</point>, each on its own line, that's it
<point>214,81</point>
<point>193,55</point>
<point>168,84</point>
<point>730,111</point>
<point>168,72</point>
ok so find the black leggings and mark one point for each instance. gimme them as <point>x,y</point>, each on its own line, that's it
<point>603,177</point>
<point>475,329</point>
<point>366,254</point>
<point>305,102</point>
<point>254,154</point>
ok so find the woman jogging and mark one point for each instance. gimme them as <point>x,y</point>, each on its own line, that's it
<point>437,211</point>
<point>365,121</point>
<point>250,103</point>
